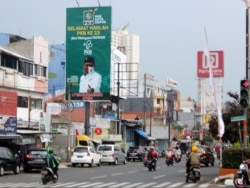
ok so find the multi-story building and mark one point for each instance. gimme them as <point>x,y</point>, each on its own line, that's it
<point>129,44</point>
<point>23,83</point>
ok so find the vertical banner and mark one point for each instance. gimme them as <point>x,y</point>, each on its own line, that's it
<point>88,52</point>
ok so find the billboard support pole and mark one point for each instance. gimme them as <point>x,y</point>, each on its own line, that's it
<point>87,112</point>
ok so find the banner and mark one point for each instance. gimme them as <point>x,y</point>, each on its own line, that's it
<point>88,52</point>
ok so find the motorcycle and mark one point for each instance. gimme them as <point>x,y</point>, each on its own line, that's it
<point>193,173</point>
<point>151,164</point>
<point>178,158</point>
<point>48,175</point>
<point>169,160</point>
<point>241,178</point>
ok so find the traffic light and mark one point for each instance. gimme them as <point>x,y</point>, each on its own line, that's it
<point>244,93</point>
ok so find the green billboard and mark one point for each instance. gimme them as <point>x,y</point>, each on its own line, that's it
<point>88,51</point>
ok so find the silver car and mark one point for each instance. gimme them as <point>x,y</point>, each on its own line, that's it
<point>111,154</point>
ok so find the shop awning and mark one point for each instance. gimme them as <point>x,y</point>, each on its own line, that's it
<point>142,133</point>
<point>150,138</point>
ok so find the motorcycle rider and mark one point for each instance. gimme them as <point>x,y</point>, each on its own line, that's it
<point>192,159</point>
<point>177,152</point>
<point>152,155</point>
<point>170,153</point>
<point>52,162</point>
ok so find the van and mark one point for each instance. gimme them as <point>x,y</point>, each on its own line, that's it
<point>111,154</point>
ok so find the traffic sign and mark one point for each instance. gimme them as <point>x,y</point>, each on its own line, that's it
<point>238,118</point>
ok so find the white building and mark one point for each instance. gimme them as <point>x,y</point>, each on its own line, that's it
<point>130,46</point>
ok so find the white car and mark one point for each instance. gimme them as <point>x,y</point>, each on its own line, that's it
<point>85,155</point>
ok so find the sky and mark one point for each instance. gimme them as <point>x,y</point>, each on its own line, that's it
<point>171,32</point>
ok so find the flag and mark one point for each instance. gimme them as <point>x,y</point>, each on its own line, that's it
<point>221,126</point>
<point>77,132</point>
<point>211,82</point>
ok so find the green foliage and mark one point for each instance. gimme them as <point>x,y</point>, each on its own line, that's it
<point>236,145</point>
<point>208,138</point>
<point>232,129</point>
<point>231,158</point>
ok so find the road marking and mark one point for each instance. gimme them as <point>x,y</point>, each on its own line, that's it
<point>189,185</point>
<point>204,185</point>
<point>162,185</point>
<point>133,171</point>
<point>106,184</point>
<point>156,177</point>
<point>175,185</point>
<point>77,184</point>
<point>98,177</point>
<point>117,174</point>
<point>148,185</point>
<point>119,184</point>
<point>133,185</point>
<point>92,184</point>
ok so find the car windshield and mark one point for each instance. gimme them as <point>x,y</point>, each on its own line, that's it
<point>133,149</point>
<point>105,148</point>
<point>81,150</point>
<point>200,149</point>
<point>43,153</point>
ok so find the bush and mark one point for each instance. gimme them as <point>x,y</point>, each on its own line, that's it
<point>231,158</point>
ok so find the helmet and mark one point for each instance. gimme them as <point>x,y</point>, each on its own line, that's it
<point>50,150</point>
<point>194,149</point>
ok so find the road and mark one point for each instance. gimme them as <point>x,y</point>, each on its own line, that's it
<point>131,175</point>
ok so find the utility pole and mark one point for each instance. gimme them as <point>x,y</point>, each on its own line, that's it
<point>69,120</point>
<point>144,98</point>
<point>245,122</point>
<point>118,98</point>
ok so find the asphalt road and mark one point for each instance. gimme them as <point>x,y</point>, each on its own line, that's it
<point>131,175</point>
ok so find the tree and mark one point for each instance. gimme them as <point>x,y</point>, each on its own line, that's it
<point>231,128</point>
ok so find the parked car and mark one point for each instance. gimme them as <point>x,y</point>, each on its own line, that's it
<point>34,159</point>
<point>112,154</point>
<point>9,161</point>
<point>206,155</point>
<point>135,153</point>
<point>82,155</point>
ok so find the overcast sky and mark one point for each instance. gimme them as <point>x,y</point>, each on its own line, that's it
<point>171,32</point>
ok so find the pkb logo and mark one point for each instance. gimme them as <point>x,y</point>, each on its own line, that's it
<point>214,60</point>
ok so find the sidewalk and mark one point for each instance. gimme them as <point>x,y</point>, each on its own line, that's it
<point>227,179</point>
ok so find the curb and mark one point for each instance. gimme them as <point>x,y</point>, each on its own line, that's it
<point>229,182</point>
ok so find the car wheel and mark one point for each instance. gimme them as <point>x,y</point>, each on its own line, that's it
<point>82,165</point>
<point>125,161</point>
<point>99,163</point>
<point>212,163</point>
<point>25,169</point>
<point>17,170</point>
<point>115,162</point>
<point>1,171</point>
<point>73,164</point>
<point>91,164</point>
<point>134,160</point>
